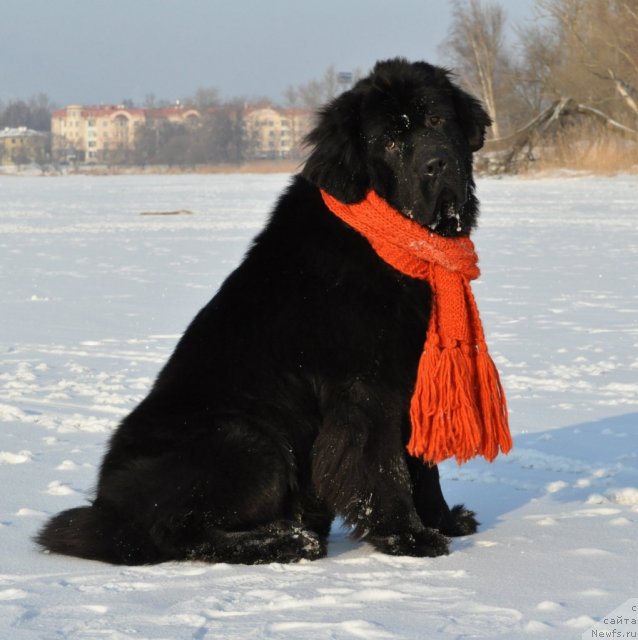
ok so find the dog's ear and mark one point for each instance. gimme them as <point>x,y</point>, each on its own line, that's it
<point>472,116</point>
<point>337,162</point>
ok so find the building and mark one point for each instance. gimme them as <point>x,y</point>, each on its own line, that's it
<point>19,145</point>
<point>273,133</point>
<point>90,134</point>
<point>95,134</point>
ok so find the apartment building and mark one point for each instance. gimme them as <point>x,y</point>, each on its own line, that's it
<point>274,133</point>
<point>19,145</point>
<point>92,132</point>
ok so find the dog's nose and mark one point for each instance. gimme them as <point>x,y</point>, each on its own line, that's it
<point>435,166</point>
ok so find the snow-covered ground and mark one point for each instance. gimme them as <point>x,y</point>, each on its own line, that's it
<point>93,298</point>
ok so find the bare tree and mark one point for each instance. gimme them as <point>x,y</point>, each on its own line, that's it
<point>15,114</point>
<point>41,151</point>
<point>315,93</point>
<point>204,98</point>
<point>34,113</point>
<point>41,108</point>
<point>150,101</point>
<point>597,60</point>
<point>292,96</point>
<point>476,46</point>
<point>540,52</point>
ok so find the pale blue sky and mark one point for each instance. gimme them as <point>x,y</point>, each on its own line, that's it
<point>103,51</point>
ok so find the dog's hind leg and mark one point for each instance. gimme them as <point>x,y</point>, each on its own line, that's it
<point>231,497</point>
<point>254,524</point>
<point>279,541</point>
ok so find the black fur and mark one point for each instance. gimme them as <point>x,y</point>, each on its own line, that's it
<point>286,400</point>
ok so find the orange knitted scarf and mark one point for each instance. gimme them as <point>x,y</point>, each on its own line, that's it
<point>458,406</point>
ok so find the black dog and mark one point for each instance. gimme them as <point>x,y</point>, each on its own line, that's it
<point>286,400</point>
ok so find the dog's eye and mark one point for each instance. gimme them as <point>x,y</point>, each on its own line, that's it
<point>390,145</point>
<point>434,121</point>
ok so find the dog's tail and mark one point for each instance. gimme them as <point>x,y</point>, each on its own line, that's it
<point>97,533</point>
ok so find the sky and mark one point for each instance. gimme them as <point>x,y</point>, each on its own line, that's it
<point>106,51</point>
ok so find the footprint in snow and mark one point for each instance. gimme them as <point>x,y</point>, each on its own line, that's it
<point>8,457</point>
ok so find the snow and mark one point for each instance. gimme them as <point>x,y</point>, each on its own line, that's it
<point>94,297</point>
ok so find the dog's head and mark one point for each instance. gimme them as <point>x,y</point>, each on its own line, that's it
<point>407,132</point>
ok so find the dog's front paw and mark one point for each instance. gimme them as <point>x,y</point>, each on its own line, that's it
<point>426,543</point>
<point>459,522</point>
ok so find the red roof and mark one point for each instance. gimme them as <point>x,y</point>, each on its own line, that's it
<point>102,111</point>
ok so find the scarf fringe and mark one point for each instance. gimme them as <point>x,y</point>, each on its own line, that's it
<point>446,421</point>
<point>496,433</point>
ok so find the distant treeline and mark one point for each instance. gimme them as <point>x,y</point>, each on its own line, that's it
<point>34,113</point>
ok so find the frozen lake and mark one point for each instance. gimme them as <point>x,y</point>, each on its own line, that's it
<point>95,295</point>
